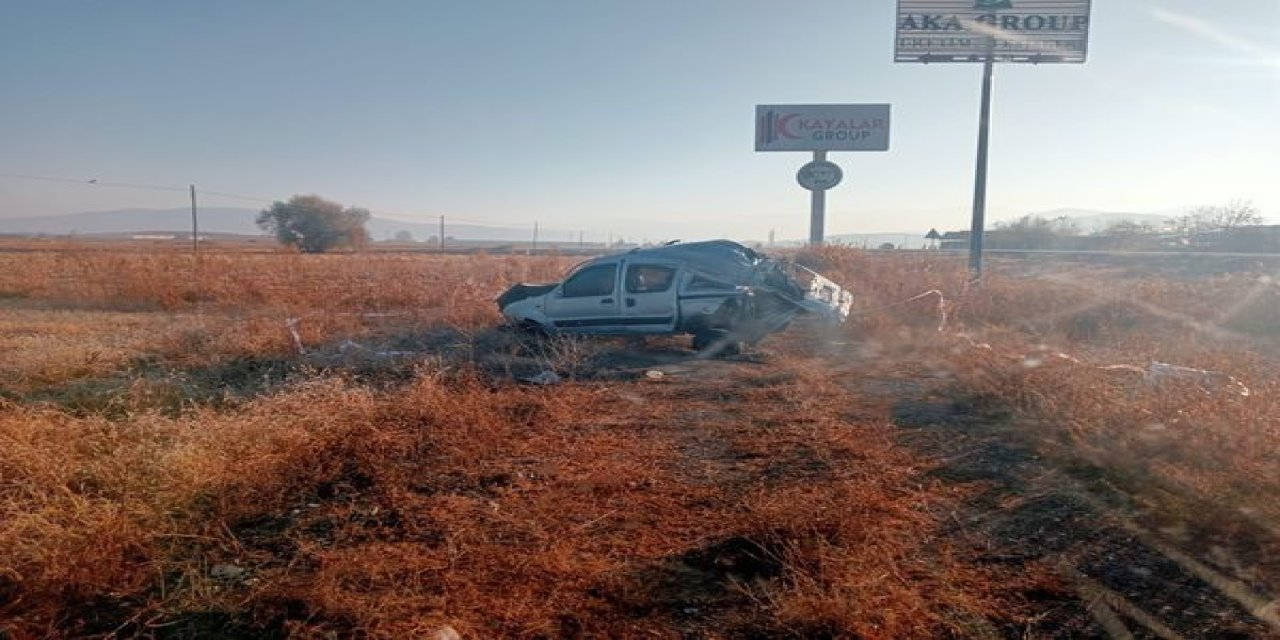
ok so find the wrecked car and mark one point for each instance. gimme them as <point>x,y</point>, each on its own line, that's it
<point>721,292</point>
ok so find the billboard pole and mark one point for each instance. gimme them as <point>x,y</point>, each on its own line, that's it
<point>817,208</point>
<point>978,225</point>
<point>987,31</point>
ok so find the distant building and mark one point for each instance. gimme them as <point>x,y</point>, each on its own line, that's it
<point>1251,239</point>
<point>954,241</point>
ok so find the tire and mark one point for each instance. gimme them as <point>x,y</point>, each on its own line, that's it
<point>715,342</point>
<point>531,328</point>
<point>528,337</point>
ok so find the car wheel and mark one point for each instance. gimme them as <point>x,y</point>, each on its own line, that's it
<point>531,328</point>
<point>715,342</point>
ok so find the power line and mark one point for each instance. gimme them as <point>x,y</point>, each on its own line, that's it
<point>236,196</point>
<point>94,181</point>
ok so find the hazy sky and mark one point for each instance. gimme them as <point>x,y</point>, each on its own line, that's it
<point>631,116</point>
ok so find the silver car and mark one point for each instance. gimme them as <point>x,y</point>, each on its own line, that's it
<point>719,291</point>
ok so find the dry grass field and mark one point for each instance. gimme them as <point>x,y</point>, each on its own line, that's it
<point>332,446</point>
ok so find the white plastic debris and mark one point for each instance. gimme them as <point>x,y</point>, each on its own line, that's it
<point>349,346</point>
<point>292,325</point>
<point>1160,372</point>
<point>543,377</point>
<point>446,633</point>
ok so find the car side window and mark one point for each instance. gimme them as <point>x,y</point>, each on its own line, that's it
<point>590,282</point>
<point>649,278</point>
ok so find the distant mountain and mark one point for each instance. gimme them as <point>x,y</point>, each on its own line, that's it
<point>212,219</point>
<point>241,221</point>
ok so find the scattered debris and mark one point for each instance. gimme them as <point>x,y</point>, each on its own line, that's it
<point>942,306</point>
<point>292,325</point>
<point>446,632</point>
<point>543,378</point>
<point>227,572</point>
<point>349,346</point>
<point>1154,375</point>
<point>1160,372</point>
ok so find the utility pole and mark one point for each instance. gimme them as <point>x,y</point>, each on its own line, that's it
<point>195,226</point>
<point>579,241</point>
<point>978,225</point>
<point>535,238</point>
<point>195,256</point>
<point>442,233</point>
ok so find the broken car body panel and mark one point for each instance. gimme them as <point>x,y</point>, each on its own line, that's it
<point>701,288</point>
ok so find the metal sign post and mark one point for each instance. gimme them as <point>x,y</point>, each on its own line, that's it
<point>817,177</point>
<point>977,227</point>
<point>817,208</point>
<point>990,31</point>
<point>821,128</point>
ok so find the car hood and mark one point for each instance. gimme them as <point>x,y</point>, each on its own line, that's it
<point>524,290</point>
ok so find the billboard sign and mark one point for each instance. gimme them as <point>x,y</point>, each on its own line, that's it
<point>822,127</point>
<point>1033,31</point>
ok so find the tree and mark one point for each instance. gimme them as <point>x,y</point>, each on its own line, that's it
<point>314,224</point>
<point>1128,228</point>
<point>1235,214</point>
<point>404,236</point>
<point>1033,232</point>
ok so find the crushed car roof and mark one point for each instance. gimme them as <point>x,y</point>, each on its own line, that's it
<point>720,259</point>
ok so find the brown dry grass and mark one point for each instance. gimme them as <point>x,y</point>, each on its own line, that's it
<point>84,313</point>
<point>736,501</point>
<point>753,503</point>
<point>1069,351</point>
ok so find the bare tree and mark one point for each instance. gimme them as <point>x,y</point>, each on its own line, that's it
<point>1033,232</point>
<point>1129,228</point>
<point>1233,215</point>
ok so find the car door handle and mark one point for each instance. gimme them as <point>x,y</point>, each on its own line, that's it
<point>607,301</point>
<point>631,302</point>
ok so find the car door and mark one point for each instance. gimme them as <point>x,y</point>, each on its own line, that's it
<point>587,301</point>
<point>649,303</point>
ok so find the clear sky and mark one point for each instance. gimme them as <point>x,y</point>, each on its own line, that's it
<point>629,116</point>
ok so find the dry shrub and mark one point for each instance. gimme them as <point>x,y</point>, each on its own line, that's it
<point>1070,350</point>
<point>882,284</point>
<point>841,574</point>
<point>1185,442</point>
<point>86,312</point>
<point>1194,438</point>
<point>458,289</point>
<point>501,511</point>
<point>770,501</point>
<point>102,522</point>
